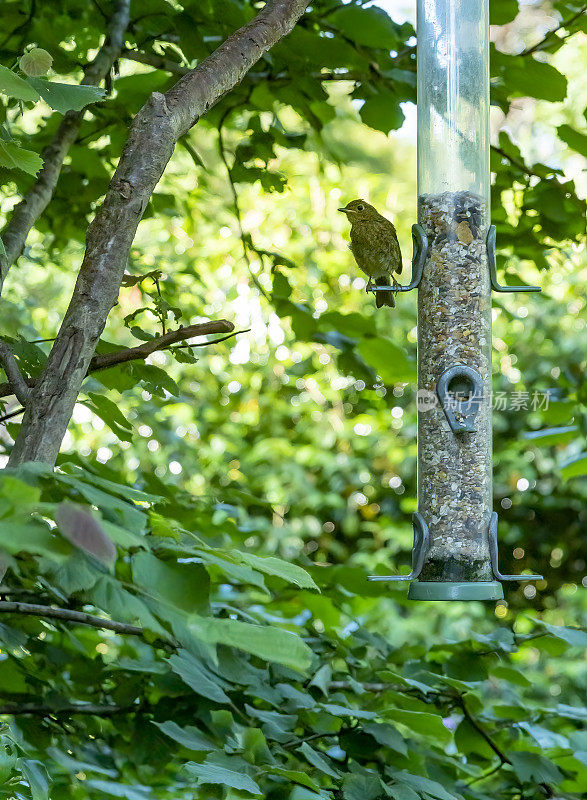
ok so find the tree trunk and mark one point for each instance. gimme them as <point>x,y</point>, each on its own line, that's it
<point>154,132</point>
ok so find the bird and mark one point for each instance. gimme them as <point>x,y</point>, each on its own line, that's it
<point>375,247</point>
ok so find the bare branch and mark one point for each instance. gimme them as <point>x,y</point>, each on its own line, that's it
<point>39,710</point>
<point>564,24</point>
<point>167,65</point>
<point>30,208</point>
<point>15,377</point>
<point>163,120</point>
<point>67,615</point>
<point>141,352</point>
<point>164,342</point>
<point>235,203</point>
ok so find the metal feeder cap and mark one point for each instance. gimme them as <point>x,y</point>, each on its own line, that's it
<point>455,590</point>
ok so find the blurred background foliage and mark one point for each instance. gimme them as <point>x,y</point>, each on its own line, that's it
<point>295,438</point>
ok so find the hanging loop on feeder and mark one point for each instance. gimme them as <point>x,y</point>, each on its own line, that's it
<point>494,555</point>
<point>460,391</point>
<point>491,260</point>
<point>419,255</point>
<point>419,550</point>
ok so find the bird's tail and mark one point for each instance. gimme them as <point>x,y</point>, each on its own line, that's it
<point>384,298</point>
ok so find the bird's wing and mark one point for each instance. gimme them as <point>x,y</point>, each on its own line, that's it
<point>396,253</point>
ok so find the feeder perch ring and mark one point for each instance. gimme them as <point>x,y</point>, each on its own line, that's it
<point>419,550</point>
<point>493,553</point>
<point>419,256</point>
<point>461,414</point>
<point>491,260</point>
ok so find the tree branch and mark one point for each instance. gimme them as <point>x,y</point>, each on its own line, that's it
<point>39,710</point>
<point>15,377</point>
<point>564,24</point>
<point>163,120</point>
<point>142,351</point>
<point>30,208</point>
<point>515,162</point>
<point>236,205</point>
<point>167,65</point>
<point>481,731</point>
<point>67,615</point>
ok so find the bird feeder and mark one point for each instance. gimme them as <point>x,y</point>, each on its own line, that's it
<point>455,529</point>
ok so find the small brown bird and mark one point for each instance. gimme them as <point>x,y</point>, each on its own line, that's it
<point>375,247</point>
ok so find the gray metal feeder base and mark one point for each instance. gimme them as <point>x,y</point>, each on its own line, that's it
<point>455,590</point>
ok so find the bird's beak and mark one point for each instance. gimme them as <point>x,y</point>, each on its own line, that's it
<point>344,210</point>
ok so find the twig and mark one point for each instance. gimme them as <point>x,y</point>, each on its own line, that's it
<point>368,687</point>
<point>12,414</point>
<point>163,342</point>
<point>30,208</point>
<point>166,64</point>
<point>564,24</point>
<point>141,352</point>
<point>235,203</point>
<point>484,775</point>
<point>213,341</point>
<point>481,731</point>
<point>15,377</point>
<point>67,615</point>
<point>39,710</point>
<point>153,135</point>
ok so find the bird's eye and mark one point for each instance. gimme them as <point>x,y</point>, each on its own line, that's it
<point>360,208</point>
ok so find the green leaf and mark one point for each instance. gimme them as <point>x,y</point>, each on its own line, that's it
<point>224,771</point>
<point>382,112</point>
<point>550,436</point>
<point>279,568</point>
<point>64,97</point>
<point>574,467</point>
<point>19,493</point>
<point>24,534</point>
<point>573,636</point>
<point>389,360</point>
<point>371,27</point>
<point>421,722</point>
<point>108,595</point>
<point>503,11</point>
<point>362,787</point>
<point>268,643</point>
<point>511,675</point>
<point>37,776</point>
<point>575,139</point>
<point>35,62</point>
<point>338,710</point>
<point>318,760</point>
<point>531,78</point>
<point>197,677</point>
<point>185,586</point>
<point>531,767</point>
<point>3,259</point>
<point>189,737</point>
<point>111,414</point>
<point>14,157</point>
<point>422,784</point>
<point>123,790</point>
<point>387,736</point>
<point>294,776</point>
<point>15,86</point>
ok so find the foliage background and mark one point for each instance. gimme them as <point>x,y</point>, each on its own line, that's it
<point>206,465</point>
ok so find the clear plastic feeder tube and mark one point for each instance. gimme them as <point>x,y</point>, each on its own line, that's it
<point>454,300</point>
